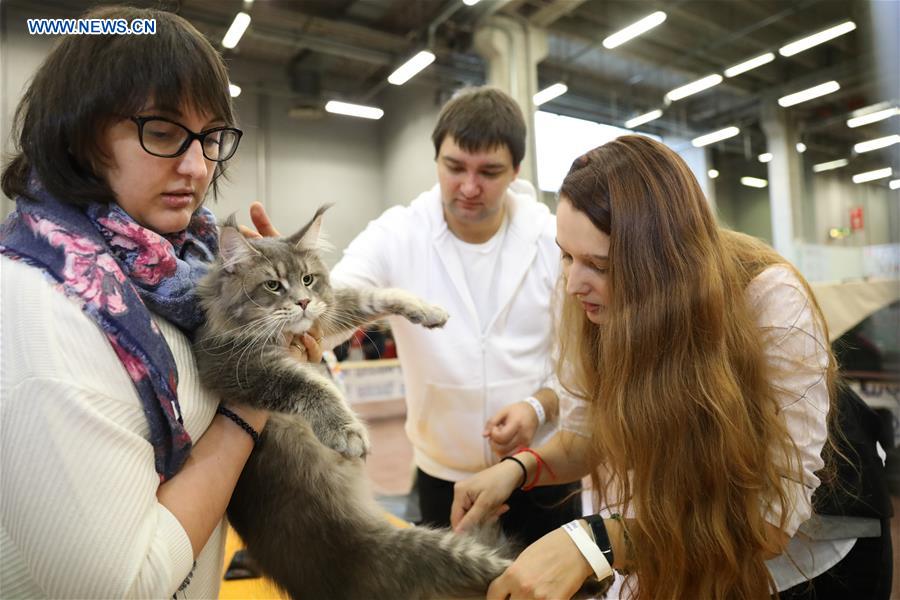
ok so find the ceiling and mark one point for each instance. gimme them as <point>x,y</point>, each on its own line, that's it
<point>314,50</point>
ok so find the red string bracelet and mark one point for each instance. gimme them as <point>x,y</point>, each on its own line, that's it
<point>540,465</point>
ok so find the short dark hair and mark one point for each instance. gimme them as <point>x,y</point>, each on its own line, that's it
<point>88,82</point>
<point>481,118</point>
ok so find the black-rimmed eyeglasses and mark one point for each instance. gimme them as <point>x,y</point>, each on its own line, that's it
<point>168,139</point>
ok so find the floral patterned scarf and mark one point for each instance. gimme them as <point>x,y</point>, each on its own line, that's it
<point>121,272</point>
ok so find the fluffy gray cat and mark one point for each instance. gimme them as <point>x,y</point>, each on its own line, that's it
<point>302,504</point>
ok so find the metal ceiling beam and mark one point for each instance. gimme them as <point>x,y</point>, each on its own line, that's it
<point>850,73</point>
<point>755,28</point>
<point>551,70</point>
<point>290,25</point>
<point>550,13</point>
<point>657,60</point>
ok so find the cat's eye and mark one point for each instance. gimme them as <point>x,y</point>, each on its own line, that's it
<point>308,280</point>
<point>272,285</point>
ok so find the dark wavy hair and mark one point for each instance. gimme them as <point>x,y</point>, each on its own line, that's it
<point>89,82</point>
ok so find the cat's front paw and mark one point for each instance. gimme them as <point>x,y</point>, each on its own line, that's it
<point>428,316</point>
<point>351,439</point>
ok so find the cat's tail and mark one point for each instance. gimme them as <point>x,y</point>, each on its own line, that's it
<point>419,562</point>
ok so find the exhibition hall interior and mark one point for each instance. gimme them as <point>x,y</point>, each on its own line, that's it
<point>787,112</point>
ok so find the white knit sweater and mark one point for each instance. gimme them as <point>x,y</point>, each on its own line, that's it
<point>79,516</point>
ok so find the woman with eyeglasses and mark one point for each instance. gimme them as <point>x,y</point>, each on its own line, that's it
<point>116,466</point>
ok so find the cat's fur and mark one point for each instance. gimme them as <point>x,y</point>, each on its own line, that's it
<point>302,504</point>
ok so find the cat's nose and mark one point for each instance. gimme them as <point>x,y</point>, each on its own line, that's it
<point>303,303</point>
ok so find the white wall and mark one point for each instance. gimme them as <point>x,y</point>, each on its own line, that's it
<point>833,194</point>
<point>20,56</point>
<point>411,112</point>
<point>740,207</point>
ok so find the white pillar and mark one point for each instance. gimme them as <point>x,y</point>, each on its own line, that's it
<point>512,49</point>
<point>785,181</point>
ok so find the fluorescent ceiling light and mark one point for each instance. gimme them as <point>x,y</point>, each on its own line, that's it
<point>747,65</point>
<point>548,94</point>
<point>471,2</point>
<point>407,70</point>
<point>237,29</point>
<point>765,157</point>
<point>634,30</point>
<point>873,117</point>
<point>353,110</point>
<point>754,182</point>
<point>712,173</point>
<point>817,38</point>
<point>234,90</point>
<point>644,118</point>
<point>715,136</point>
<point>883,142</point>
<point>876,144</point>
<point>694,87</point>
<point>895,184</point>
<point>801,147</point>
<point>808,94</point>
<point>872,175</point>
<point>830,165</point>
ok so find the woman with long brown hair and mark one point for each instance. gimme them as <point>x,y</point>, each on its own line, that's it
<point>703,379</point>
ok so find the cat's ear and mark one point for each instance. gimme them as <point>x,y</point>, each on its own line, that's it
<point>308,237</point>
<point>233,247</point>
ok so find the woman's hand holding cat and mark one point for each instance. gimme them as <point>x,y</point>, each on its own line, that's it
<point>481,498</point>
<point>511,427</point>
<point>307,347</point>
<point>552,567</point>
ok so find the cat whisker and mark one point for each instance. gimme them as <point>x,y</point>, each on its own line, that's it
<point>238,332</point>
<point>265,333</point>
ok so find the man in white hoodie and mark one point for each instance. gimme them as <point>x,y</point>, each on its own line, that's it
<point>480,245</point>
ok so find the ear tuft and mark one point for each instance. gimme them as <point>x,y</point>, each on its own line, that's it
<point>308,237</point>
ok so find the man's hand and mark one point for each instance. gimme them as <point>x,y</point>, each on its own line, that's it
<point>264,227</point>
<point>511,427</point>
<point>552,567</point>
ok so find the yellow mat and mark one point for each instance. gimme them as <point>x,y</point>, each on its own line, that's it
<point>259,588</point>
<point>244,589</point>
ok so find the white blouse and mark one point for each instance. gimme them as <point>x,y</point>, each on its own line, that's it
<point>79,517</point>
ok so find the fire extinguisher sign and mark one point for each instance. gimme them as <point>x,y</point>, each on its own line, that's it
<point>856,218</point>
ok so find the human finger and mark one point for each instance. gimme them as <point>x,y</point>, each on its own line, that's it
<point>313,347</point>
<point>261,220</point>
<point>498,418</point>
<point>298,350</point>
<point>505,432</point>
<point>476,514</point>
<point>505,449</point>
<point>248,233</point>
<point>499,589</point>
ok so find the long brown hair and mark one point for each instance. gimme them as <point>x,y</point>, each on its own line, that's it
<point>685,427</point>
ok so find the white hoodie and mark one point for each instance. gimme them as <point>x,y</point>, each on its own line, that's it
<point>459,376</point>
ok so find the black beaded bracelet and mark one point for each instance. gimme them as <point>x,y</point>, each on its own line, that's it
<point>601,537</point>
<point>240,422</point>
<point>521,464</point>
